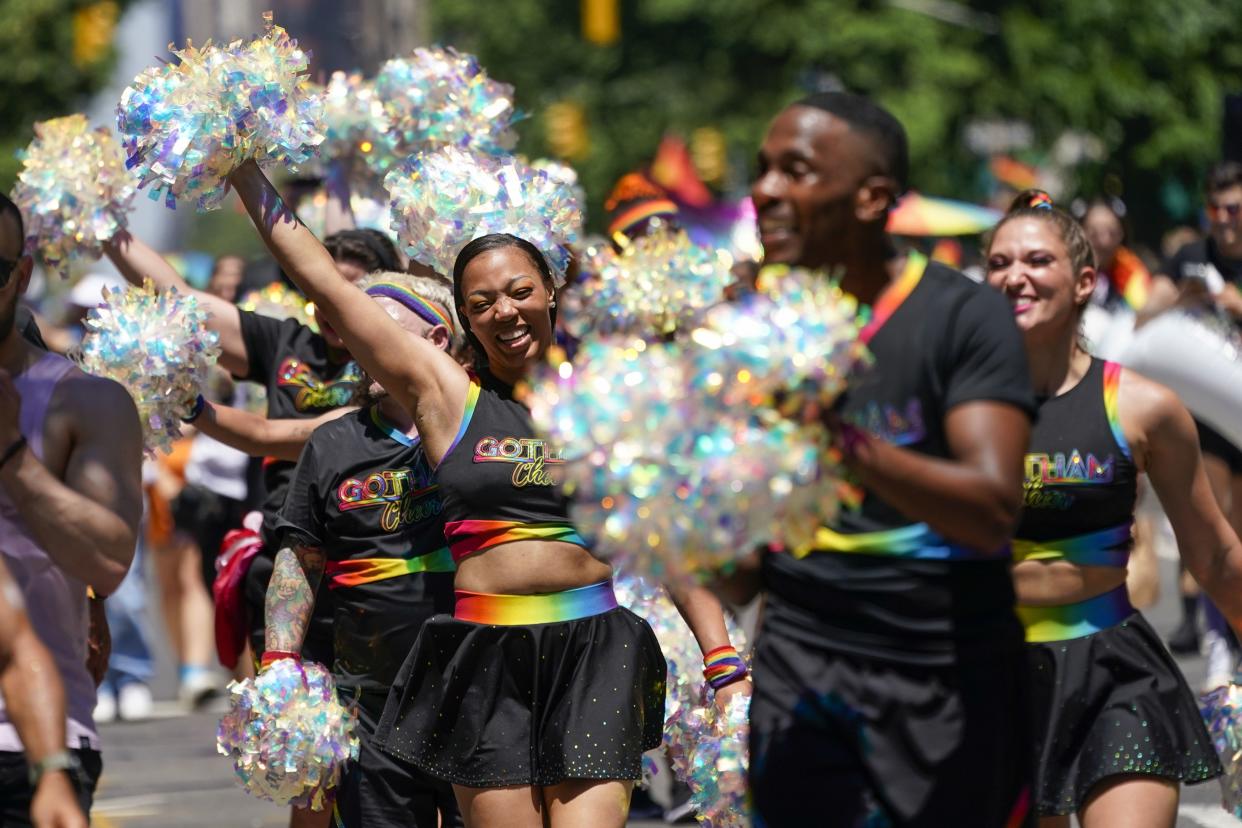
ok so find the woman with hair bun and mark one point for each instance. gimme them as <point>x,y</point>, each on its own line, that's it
<point>539,695</point>
<point>1117,729</point>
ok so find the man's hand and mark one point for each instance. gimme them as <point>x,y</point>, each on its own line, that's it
<point>98,642</point>
<point>10,411</point>
<point>1230,301</point>
<point>55,803</point>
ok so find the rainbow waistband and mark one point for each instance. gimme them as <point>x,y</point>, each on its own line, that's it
<point>1108,547</point>
<point>466,537</point>
<point>914,541</point>
<point>1068,621</point>
<point>545,608</point>
<point>369,570</point>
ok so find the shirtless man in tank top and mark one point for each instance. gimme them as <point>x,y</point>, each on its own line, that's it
<point>70,503</point>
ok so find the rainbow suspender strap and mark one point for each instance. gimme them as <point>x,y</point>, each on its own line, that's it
<point>369,570</point>
<point>546,608</point>
<point>1061,623</point>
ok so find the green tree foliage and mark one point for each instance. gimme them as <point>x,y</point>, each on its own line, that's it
<point>56,53</point>
<point>1147,79</point>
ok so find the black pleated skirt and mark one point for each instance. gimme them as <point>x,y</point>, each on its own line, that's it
<point>1109,704</point>
<point>485,705</point>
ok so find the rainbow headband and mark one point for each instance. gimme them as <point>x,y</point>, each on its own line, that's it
<point>412,301</point>
<point>648,208</point>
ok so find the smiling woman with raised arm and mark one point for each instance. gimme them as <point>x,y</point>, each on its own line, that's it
<point>538,698</point>
<point>1117,729</point>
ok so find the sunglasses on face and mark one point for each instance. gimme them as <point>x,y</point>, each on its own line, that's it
<point>1221,210</point>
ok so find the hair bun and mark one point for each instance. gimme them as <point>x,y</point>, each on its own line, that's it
<point>1031,200</point>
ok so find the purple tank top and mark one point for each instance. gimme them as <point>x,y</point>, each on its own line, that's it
<point>55,601</point>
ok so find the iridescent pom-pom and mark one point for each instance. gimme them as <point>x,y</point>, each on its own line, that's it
<point>287,734</point>
<point>187,125</point>
<point>439,97</point>
<point>157,345</point>
<point>1222,713</point>
<point>353,116</point>
<point>681,458</point>
<point>278,301</point>
<point>718,765</point>
<point>658,284</point>
<point>73,190</point>
<point>442,200</point>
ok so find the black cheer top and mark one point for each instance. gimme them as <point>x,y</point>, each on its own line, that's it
<point>364,496</point>
<point>496,478</point>
<point>1080,477</point>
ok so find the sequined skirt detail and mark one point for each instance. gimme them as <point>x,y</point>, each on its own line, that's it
<point>1108,704</point>
<point>487,706</point>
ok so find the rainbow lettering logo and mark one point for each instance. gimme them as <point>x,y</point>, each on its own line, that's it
<point>405,498</point>
<point>528,456</point>
<point>891,423</point>
<point>313,393</point>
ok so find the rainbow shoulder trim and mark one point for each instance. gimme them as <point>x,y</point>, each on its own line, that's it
<point>914,541</point>
<point>1084,618</point>
<point>545,608</point>
<point>1112,385</point>
<point>894,295</point>
<point>369,570</point>
<point>472,402</point>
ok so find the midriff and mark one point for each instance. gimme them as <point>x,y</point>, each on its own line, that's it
<point>528,567</point>
<point>1055,583</point>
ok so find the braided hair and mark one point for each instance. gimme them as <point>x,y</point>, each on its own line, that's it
<point>1037,204</point>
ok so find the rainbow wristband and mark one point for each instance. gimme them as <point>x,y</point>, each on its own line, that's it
<point>723,666</point>
<point>272,656</point>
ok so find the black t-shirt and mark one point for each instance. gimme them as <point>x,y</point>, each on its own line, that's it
<point>1201,260</point>
<point>890,587</point>
<point>28,328</point>
<point>303,377</point>
<point>364,495</point>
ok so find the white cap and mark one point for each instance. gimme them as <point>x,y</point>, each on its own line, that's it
<point>88,292</point>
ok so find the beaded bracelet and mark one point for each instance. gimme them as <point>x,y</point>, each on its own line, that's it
<point>723,666</point>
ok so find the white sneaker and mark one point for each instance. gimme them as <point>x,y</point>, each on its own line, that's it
<point>1220,661</point>
<point>105,706</point>
<point>199,687</point>
<point>134,702</point>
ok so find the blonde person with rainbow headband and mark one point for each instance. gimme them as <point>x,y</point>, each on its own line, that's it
<point>1116,728</point>
<point>537,698</point>
<point>364,516</point>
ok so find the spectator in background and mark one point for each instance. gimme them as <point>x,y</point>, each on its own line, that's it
<point>226,277</point>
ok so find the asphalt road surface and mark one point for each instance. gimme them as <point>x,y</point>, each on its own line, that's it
<point>165,772</point>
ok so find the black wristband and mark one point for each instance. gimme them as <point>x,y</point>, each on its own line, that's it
<point>195,410</point>
<point>11,451</point>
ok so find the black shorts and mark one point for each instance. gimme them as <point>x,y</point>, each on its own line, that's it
<point>1108,704</point>
<point>16,793</point>
<point>1218,445</point>
<point>320,638</point>
<point>381,791</point>
<point>845,740</point>
<point>207,517</point>
<point>488,706</point>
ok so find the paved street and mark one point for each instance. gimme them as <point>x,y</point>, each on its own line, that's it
<point>166,772</point>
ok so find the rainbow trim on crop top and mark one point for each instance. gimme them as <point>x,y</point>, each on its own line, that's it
<point>916,541</point>
<point>1068,621</point>
<point>546,608</point>
<point>1107,547</point>
<point>369,570</point>
<point>466,537</point>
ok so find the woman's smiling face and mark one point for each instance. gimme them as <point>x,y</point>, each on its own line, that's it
<point>507,308</point>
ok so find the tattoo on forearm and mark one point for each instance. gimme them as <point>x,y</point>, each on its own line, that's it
<point>291,597</point>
